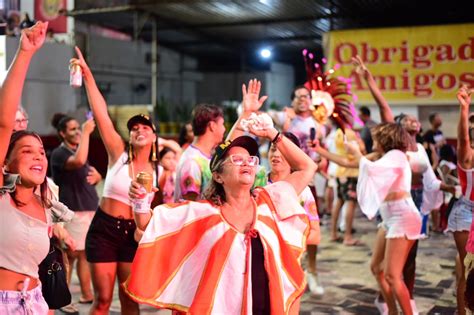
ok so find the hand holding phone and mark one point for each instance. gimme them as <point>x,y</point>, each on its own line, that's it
<point>89,115</point>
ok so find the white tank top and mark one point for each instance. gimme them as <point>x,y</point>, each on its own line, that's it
<point>418,160</point>
<point>117,181</point>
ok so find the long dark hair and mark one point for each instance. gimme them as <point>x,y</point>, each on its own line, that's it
<point>154,158</point>
<point>16,136</point>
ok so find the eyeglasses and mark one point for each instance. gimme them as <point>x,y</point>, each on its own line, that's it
<point>238,159</point>
<point>21,121</point>
<point>302,96</point>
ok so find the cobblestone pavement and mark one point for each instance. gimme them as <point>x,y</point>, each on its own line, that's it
<point>349,286</point>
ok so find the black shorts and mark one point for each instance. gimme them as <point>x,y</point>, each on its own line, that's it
<point>347,188</point>
<point>110,239</point>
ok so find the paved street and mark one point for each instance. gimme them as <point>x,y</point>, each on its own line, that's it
<point>350,288</point>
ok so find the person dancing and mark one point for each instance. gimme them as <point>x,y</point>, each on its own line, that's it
<point>110,243</point>
<point>26,224</point>
<point>238,251</point>
<point>460,218</point>
<point>425,186</point>
<point>279,170</point>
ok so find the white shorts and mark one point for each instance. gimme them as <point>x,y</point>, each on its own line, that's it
<point>401,218</point>
<point>78,227</point>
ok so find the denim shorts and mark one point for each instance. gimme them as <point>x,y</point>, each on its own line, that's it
<point>23,303</point>
<point>401,219</point>
<point>460,218</point>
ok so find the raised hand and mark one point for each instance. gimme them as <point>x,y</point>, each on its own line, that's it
<point>250,101</point>
<point>359,65</point>
<point>80,61</point>
<point>88,126</point>
<point>464,96</point>
<point>33,38</point>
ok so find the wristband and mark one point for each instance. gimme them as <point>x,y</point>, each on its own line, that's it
<point>277,138</point>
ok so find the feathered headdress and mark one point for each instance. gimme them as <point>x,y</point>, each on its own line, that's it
<point>330,96</point>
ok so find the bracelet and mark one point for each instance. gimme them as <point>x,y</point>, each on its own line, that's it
<point>277,138</point>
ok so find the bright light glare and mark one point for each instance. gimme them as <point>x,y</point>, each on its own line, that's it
<point>265,53</point>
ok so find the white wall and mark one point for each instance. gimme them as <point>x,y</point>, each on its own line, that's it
<point>47,87</point>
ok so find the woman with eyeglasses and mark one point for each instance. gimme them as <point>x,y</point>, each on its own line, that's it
<point>237,251</point>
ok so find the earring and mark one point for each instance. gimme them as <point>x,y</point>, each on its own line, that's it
<point>130,152</point>
<point>153,152</point>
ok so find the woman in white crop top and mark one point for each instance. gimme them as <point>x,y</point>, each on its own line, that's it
<point>110,243</point>
<point>26,223</point>
<point>425,187</point>
<point>385,185</point>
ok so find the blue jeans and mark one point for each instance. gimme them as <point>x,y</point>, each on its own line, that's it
<point>417,196</point>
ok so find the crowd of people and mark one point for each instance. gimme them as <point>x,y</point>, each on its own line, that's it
<point>219,225</point>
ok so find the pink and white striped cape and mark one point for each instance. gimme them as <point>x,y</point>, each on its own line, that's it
<point>191,260</point>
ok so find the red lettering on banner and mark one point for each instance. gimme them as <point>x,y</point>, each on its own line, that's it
<point>405,80</point>
<point>466,51</point>
<point>446,81</point>
<point>356,81</point>
<point>468,79</point>
<point>382,82</point>
<point>387,54</point>
<point>339,52</point>
<point>369,54</point>
<point>422,85</point>
<point>421,56</point>
<point>404,52</point>
<point>445,53</point>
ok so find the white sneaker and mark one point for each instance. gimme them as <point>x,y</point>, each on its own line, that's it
<point>381,306</point>
<point>313,285</point>
<point>414,309</point>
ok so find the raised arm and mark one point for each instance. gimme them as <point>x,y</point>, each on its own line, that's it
<point>10,93</point>
<point>385,110</point>
<point>464,150</point>
<point>79,158</point>
<point>251,103</point>
<point>112,141</point>
<point>304,168</point>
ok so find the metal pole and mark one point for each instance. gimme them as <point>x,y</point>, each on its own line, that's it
<point>154,65</point>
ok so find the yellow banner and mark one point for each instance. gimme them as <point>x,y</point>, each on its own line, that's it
<point>412,65</point>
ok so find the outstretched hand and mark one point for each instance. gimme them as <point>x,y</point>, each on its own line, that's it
<point>359,65</point>
<point>80,61</point>
<point>33,38</point>
<point>464,96</point>
<point>250,101</point>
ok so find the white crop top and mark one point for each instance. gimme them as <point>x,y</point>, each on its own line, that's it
<point>418,160</point>
<point>391,173</point>
<point>117,182</point>
<point>24,240</point>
